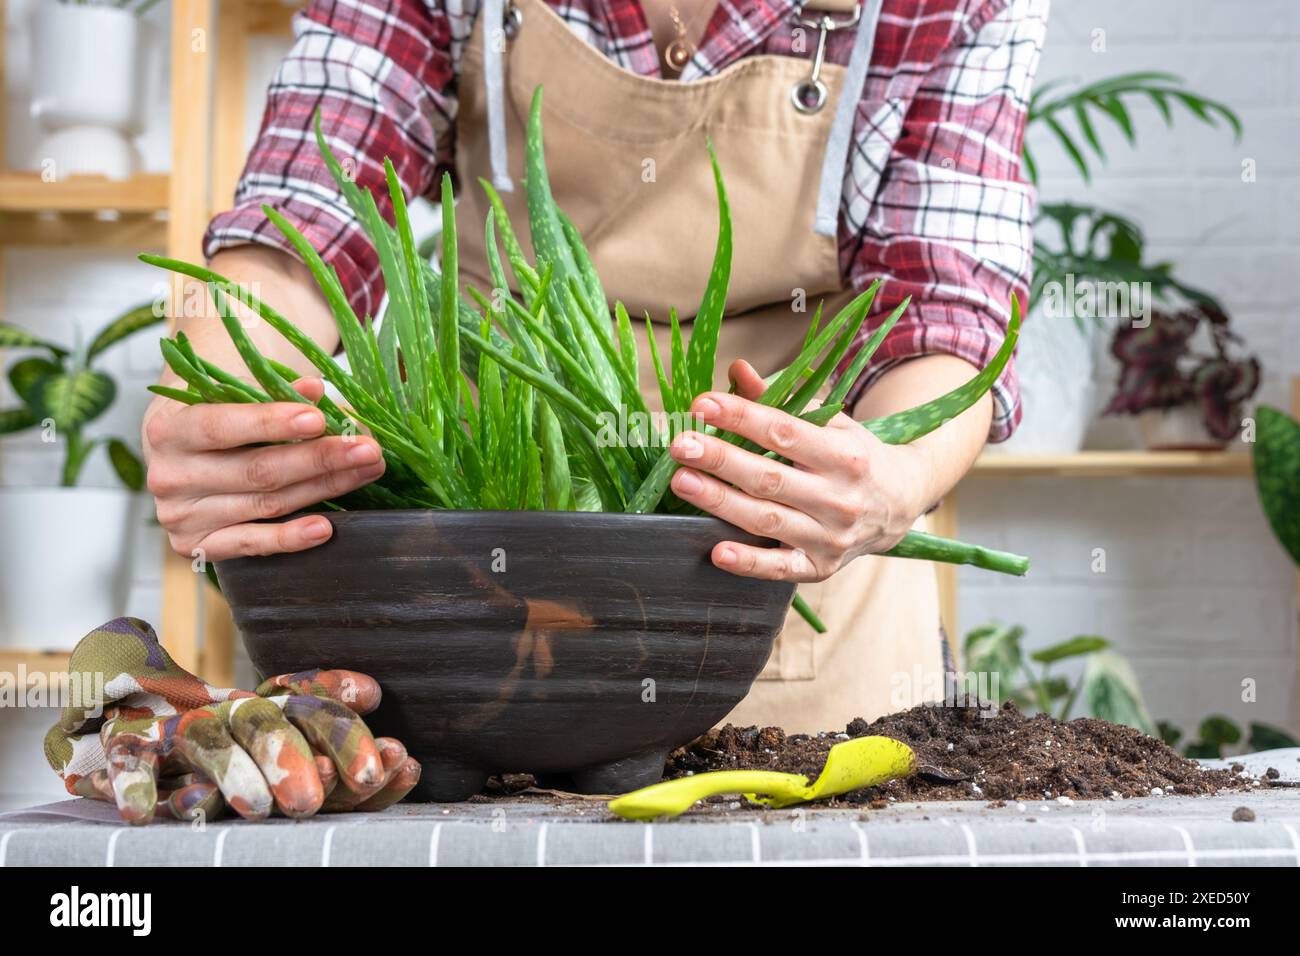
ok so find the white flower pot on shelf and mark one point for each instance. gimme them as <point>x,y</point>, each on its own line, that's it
<point>1177,429</point>
<point>64,563</point>
<point>87,89</point>
<point>1055,363</point>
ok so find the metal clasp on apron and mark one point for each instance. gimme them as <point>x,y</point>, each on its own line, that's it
<point>810,95</point>
<point>512,19</point>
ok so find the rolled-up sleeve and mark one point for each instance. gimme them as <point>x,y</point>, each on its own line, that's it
<point>951,222</point>
<point>381,74</point>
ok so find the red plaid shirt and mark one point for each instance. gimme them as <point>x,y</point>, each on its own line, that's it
<point>933,199</point>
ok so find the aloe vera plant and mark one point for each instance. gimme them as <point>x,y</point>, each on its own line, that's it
<point>61,391</point>
<point>497,399</point>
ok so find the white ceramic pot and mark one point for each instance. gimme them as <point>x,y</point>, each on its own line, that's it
<point>1055,363</point>
<point>87,88</point>
<point>1177,429</point>
<point>64,563</point>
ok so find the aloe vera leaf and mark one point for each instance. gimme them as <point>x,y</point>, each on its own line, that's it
<point>330,370</point>
<point>808,614</point>
<point>501,288</point>
<point>351,334</point>
<point>275,386</point>
<point>408,306</point>
<point>907,426</point>
<point>549,243</point>
<point>851,374</point>
<point>627,349</point>
<point>558,484</point>
<point>928,547</point>
<point>448,315</point>
<point>702,353</point>
<point>540,380</point>
<point>525,275</point>
<point>826,368</point>
<point>177,395</point>
<point>666,395</point>
<point>626,384</point>
<point>179,364</point>
<point>651,491</point>
<point>778,390</point>
<point>595,292</point>
<point>683,392</point>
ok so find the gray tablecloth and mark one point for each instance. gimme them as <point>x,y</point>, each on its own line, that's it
<point>545,831</point>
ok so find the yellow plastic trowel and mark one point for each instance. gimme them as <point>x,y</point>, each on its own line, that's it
<point>851,765</point>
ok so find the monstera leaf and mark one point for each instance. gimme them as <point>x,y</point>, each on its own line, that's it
<point>1277,475</point>
<point>73,399</point>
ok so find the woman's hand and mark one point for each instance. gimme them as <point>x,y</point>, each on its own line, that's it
<point>846,493</point>
<point>213,492</point>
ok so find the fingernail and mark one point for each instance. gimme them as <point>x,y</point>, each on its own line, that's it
<point>707,408</point>
<point>726,556</point>
<point>687,446</point>
<point>363,454</point>
<point>687,483</point>
<point>307,423</point>
<point>317,531</point>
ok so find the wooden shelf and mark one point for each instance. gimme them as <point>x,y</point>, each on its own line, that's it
<point>1118,464</point>
<point>84,210</point>
<point>33,661</point>
<point>26,192</point>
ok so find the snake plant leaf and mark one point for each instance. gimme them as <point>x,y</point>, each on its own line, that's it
<point>15,337</point>
<point>1112,691</point>
<point>126,463</point>
<point>124,326</point>
<point>1074,647</point>
<point>26,375</point>
<point>73,399</point>
<point>1277,475</point>
<point>15,420</point>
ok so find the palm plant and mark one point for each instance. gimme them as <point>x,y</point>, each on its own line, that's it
<point>499,401</point>
<point>61,392</point>
<point>1086,241</point>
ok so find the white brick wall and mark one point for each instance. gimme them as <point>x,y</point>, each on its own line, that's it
<point>1197,592</point>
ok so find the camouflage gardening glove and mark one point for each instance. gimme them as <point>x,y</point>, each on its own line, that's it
<point>154,738</point>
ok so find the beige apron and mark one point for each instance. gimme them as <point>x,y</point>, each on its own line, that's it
<point>627,161</point>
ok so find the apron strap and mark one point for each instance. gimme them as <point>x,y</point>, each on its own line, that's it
<point>495,29</point>
<point>830,187</point>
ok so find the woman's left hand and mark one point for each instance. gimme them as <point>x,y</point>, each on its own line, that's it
<point>844,494</point>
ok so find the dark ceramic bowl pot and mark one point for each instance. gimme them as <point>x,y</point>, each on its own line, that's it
<point>581,647</point>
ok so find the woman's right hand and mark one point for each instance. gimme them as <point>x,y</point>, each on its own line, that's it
<point>214,493</point>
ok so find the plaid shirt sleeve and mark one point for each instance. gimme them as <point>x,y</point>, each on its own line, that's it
<point>381,74</point>
<point>949,223</point>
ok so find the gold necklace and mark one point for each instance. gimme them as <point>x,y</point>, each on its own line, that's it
<point>679,51</point>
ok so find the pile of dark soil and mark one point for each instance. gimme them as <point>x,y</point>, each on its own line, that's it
<point>973,751</point>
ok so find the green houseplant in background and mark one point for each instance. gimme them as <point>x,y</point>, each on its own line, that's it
<point>505,405</point>
<point>62,553</point>
<point>1107,686</point>
<point>1086,257</point>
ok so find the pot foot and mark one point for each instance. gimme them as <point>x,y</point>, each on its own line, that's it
<point>620,776</point>
<point>446,781</point>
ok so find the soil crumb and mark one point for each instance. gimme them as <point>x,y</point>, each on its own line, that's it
<point>975,751</point>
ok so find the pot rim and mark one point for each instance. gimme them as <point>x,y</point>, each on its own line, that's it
<point>615,517</point>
